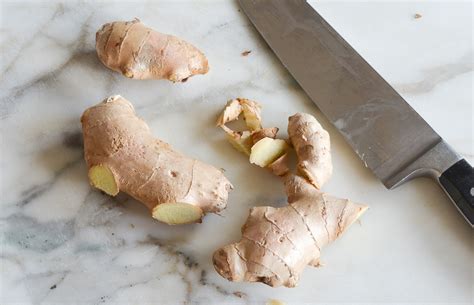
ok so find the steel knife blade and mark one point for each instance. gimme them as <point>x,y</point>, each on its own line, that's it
<point>390,137</point>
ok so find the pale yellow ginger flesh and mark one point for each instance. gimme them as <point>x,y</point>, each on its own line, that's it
<point>139,52</point>
<point>177,213</point>
<point>277,243</point>
<point>123,155</point>
<point>267,150</point>
<point>101,177</point>
<point>275,302</point>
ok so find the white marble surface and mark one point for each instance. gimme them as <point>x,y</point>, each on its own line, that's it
<point>64,243</point>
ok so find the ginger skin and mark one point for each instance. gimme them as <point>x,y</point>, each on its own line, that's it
<point>312,145</point>
<point>122,155</point>
<point>140,52</point>
<point>277,243</point>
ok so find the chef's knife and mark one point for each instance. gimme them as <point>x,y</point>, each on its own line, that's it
<point>387,134</point>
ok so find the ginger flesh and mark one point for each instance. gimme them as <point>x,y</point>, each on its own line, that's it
<point>177,213</point>
<point>123,155</point>
<point>277,243</point>
<point>101,177</point>
<point>139,52</point>
<point>267,150</point>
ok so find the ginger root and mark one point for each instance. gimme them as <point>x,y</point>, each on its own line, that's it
<point>122,155</point>
<point>312,146</point>
<point>143,53</point>
<point>277,243</point>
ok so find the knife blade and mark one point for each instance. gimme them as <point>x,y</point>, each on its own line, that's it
<point>390,137</point>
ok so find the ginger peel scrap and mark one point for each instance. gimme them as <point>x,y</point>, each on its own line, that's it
<point>245,141</point>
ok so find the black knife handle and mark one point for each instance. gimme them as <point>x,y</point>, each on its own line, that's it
<point>458,182</point>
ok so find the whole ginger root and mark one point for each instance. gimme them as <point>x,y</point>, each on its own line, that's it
<point>140,52</point>
<point>123,155</point>
<point>277,243</point>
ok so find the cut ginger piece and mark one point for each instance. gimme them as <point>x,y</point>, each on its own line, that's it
<point>267,150</point>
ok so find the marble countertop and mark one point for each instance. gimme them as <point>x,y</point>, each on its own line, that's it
<point>64,243</point>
